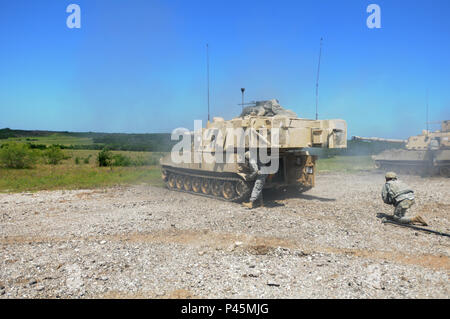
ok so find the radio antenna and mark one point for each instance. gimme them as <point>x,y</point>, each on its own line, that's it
<point>317,81</point>
<point>207,73</point>
<point>427,109</point>
<point>242,90</point>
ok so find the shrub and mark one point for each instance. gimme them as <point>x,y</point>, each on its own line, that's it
<point>17,155</point>
<point>104,158</point>
<point>121,160</point>
<point>87,159</point>
<point>54,155</point>
<point>141,161</point>
<point>77,160</point>
<point>37,146</point>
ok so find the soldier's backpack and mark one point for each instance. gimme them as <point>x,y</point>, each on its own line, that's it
<point>397,188</point>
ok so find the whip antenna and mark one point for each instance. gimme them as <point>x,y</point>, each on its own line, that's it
<point>427,111</point>
<point>317,81</point>
<point>242,90</point>
<point>207,73</point>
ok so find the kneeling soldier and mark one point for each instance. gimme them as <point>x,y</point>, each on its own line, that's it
<point>397,193</point>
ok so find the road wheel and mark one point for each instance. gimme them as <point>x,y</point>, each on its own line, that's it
<point>241,188</point>
<point>172,181</point>
<point>179,182</point>
<point>228,190</point>
<point>205,186</point>
<point>196,184</point>
<point>187,183</point>
<point>164,175</point>
<point>216,188</point>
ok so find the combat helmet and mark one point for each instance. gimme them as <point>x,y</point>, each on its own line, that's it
<point>390,175</point>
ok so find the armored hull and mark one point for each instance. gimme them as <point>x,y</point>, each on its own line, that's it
<point>212,160</point>
<point>428,153</point>
<point>296,171</point>
<point>403,160</point>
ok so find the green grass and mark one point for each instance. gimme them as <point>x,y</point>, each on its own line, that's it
<point>46,177</point>
<point>56,138</point>
<point>92,154</point>
<point>345,164</point>
<point>69,175</point>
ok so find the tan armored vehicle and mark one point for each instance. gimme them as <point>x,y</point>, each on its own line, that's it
<point>213,156</point>
<point>428,152</point>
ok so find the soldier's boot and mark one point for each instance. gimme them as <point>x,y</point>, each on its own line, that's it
<point>418,219</point>
<point>248,205</point>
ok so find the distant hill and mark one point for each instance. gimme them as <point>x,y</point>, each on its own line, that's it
<point>7,133</point>
<point>152,142</point>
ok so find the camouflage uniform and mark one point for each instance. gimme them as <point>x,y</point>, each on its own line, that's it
<point>258,187</point>
<point>397,193</point>
<point>259,182</point>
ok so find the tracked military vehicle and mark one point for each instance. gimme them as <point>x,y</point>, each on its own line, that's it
<point>427,153</point>
<point>264,126</point>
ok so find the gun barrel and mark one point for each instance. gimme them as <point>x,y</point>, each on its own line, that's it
<point>378,139</point>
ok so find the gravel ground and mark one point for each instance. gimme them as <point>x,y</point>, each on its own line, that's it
<point>149,242</point>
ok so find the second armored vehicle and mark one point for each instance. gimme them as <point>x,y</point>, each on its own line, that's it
<point>427,153</point>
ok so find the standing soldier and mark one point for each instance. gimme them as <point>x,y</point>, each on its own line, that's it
<point>397,193</point>
<point>255,172</point>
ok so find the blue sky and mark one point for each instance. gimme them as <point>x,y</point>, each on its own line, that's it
<point>140,66</point>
